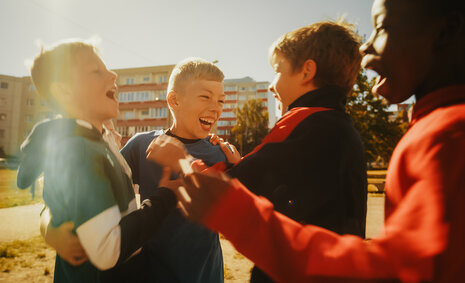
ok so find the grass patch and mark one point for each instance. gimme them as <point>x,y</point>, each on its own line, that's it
<point>11,195</point>
<point>15,256</point>
<point>228,275</point>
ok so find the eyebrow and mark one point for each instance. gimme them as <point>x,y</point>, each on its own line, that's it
<point>207,90</point>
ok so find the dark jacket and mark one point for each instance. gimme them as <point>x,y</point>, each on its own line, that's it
<point>317,174</point>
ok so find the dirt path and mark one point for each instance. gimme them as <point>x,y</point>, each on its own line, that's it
<point>19,223</point>
<point>36,265</point>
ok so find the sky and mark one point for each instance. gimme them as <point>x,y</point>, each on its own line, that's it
<point>137,33</point>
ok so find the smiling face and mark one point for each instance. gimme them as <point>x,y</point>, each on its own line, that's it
<point>92,89</point>
<point>401,48</point>
<point>196,108</point>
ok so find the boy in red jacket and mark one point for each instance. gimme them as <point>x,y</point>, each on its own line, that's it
<point>416,48</point>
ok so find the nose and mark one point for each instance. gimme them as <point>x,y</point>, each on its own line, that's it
<point>271,88</point>
<point>366,47</point>
<point>215,107</point>
<point>112,75</point>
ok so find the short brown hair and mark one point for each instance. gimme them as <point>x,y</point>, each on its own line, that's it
<point>191,69</point>
<point>333,46</point>
<point>54,64</point>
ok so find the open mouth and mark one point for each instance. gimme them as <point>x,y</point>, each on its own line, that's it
<point>111,94</point>
<point>206,123</point>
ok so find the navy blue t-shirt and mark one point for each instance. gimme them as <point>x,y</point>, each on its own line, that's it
<point>182,251</point>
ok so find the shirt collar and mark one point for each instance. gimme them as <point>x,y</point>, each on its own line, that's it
<point>443,97</point>
<point>328,97</point>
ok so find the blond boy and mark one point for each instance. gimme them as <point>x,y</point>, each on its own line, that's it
<point>84,182</point>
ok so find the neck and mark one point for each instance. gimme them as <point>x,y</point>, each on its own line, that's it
<point>175,130</point>
<point>297,95</point>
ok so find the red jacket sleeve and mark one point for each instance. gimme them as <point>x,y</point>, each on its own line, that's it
<point>290,252</point>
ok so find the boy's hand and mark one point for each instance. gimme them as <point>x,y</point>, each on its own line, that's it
<point>228,149</point>
<point>166,182</point>
<point>167,151</point>
<point>199,192</point>
<point>231,152</point>
<point>214,139</point>
<point>65,243</point>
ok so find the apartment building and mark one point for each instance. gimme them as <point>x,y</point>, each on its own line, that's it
<point>238,92</point>
<point>142,100</point>
<point>142,104</point>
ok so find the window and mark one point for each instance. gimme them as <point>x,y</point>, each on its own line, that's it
<point>129,81</point>
<point>2,116</point>
<point>262,86</point>
<point>135,96</point>
<point>128,115</point>
<point>252,88</point>
<point>142,96</point>
<point>163,79</point>
<point>227,115</point>
<point>157,113</point>
<point>146,79</point>
<point>131,130</point>
<point>4,85</point>
<point>220,132</point>
<point>242,97</point>
<point>30,102</point>
<point>140,129</point>
<point>122,131</point>
<point>144,112</point>
<point>160,95</point>
<point>230,88</point>
<point>231,97</point>
<point>226,123</point>
<point>262,95</point>
<point>242,89</point>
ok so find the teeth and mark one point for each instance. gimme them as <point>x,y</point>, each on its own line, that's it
<point>208,121</point>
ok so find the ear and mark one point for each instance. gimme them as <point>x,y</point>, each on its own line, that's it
<point>60,92</point>
<point>308,71</point>
<point>172,100</point>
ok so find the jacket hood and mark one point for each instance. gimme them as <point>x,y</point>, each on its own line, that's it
<point>41,141</point>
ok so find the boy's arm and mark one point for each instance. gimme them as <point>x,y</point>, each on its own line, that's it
<point>107,232</point>
<point>290,252</point>
<point>62,239</point>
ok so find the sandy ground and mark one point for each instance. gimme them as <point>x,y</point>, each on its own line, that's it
<point>35,263</point>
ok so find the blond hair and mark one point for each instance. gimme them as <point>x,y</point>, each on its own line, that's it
<point>333,46</point>
<point>192,69</point>
<point>54,64</point>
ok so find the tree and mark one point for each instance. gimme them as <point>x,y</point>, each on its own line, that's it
<point>251,126</point>
<point>370,115</point>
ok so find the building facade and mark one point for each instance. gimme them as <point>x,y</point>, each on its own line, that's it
<point>142,100</point>
<point>238,92</point>
<point>142,104</point>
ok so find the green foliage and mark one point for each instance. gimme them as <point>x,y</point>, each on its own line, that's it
<point>251,126</point>
<point>371,118</point>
